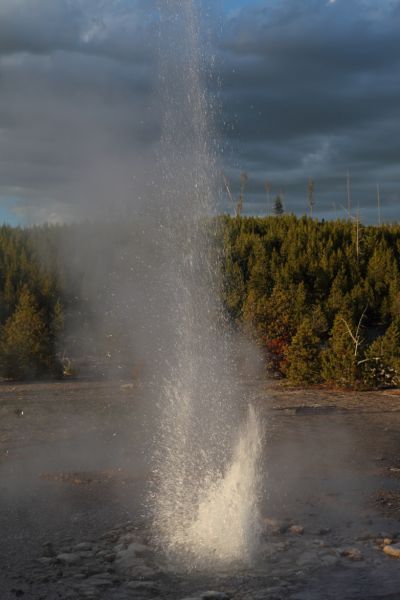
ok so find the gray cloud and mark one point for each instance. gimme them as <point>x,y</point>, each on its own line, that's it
<point>312,90</point>
<point>308,88</point>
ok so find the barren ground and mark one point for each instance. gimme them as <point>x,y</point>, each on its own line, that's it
<point>73,470</point>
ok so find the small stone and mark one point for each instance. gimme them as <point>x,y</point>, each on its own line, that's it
<point>392,550</point>
<point>324,531</point>
<point>143,586</point>
<point>387,541</point>
<point>274,527</point>
<point>83,547</point>
<point>46,561</point>
<point>68,558</point>
<point>90,593</point>
<point>131,556</point>
<point>142,572</point>
<point>110,557</point>
<point>296,530</point>
<point>351,554</point>
<point>214,596</point>
<point>128,538</point>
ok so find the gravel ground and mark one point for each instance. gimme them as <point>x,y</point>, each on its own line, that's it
<point>73,475</point>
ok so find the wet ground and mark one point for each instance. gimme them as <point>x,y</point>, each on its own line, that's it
<point>73,472</point>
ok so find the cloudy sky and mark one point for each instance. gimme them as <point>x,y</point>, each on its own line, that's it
<point>308,88</point>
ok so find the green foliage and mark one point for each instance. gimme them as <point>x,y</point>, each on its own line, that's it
<point>299,287</point>
<point>31,312</point>
<point>340,360</point>
<point>304,354</point>
<point>286,269</point>
<point>27,345</point>
<point>382,359</point>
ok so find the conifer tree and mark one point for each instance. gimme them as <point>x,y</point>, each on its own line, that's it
<point>304,355</point>
<point>382,359</point>
<point>311,197</point>
<point>278,206</point>
<point>26,345</point>
<point>340,360</point>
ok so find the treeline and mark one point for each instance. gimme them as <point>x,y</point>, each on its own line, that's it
<point>321,299</point>
<point>31,314</point>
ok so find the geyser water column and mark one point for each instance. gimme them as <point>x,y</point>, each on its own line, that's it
<point>208,443</point>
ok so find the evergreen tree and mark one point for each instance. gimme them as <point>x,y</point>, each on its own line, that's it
<point>382,359</point>
<point>304,355</point>
<point>278,206</point>
<point>27,346</point>
<point>340,360</point>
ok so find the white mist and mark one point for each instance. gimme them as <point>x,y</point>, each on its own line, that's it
<point>208,444</point>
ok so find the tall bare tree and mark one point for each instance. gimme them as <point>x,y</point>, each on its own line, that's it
<point>348,189</point>
<point>242,186</point>
<point>311,196</point>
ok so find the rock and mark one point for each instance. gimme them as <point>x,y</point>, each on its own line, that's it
<point>46,561</point>
<point>68,558</point>
<point>392,550</point>
<point>324,531</point>
<point>132,555</point>
<point>128,538</point>
<point>274,527</point>
<point>296,530</point>
<point>387,541</point>
<point>110,557</point>
<point>83,547</point>
<point>142,571</point>
<point>143,586</point>
<point>351,554</point>
<point>214,596</point>
<point>92,568</point>
<point>321,544</point>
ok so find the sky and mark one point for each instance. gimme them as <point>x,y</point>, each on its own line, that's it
<point>306,89</point>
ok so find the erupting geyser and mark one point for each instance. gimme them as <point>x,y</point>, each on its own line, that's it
<point>208,445</point>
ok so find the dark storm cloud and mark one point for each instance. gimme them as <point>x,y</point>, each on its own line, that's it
<point>113,29</point>
<point>309,88</point>
<point>77,114</point>
<point>312,89</point>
